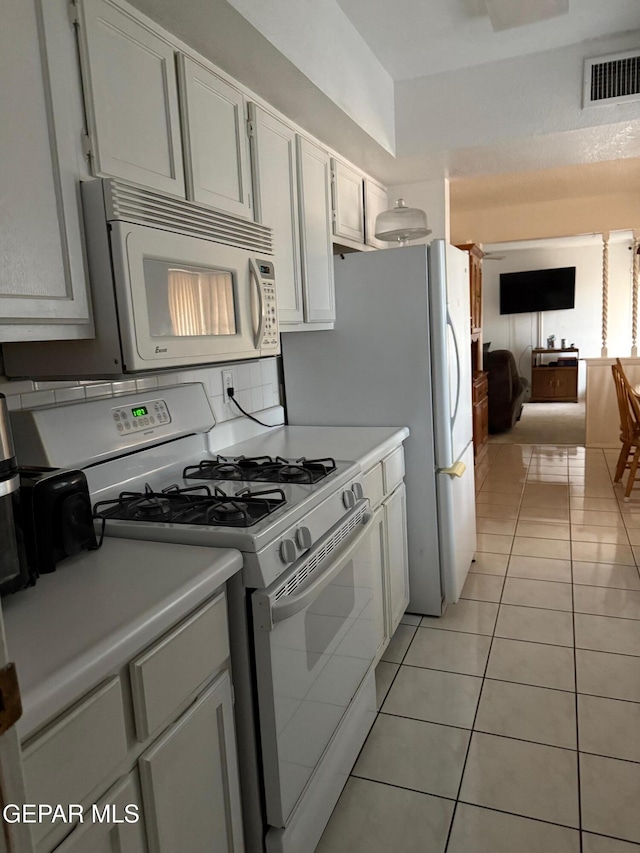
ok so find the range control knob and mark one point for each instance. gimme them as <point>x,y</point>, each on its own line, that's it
<point>303,538</point>
<point>349,499</point>
<point>288,551</point>
<point>358,491</point>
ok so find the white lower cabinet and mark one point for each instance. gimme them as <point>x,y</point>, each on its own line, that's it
<point>379,566</point>
<point>191,800</point>
<point>391,569</point>
<point>180,740</point>
<point>395,510</point>
<point>97,833</point>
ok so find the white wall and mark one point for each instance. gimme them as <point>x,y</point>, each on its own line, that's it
<point>318,38</point>
<point>512,99</point>
<point>581,325</point>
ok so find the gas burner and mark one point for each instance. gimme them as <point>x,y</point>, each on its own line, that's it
<point>227,512</point>
<point>152,508</point>
<point>261,469</point>
<point>219,468</point>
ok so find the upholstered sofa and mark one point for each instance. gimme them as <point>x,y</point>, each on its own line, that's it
<point>506,390</point>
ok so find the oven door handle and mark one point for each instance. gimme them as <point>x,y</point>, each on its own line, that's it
<point>289,605</point>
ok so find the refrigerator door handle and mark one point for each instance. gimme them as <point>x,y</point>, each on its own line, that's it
<point>458,366</point>
<point>456,470</point>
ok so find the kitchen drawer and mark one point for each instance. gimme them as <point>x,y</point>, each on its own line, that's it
<point>172,670</point>
<point>68,760</point>
<point>393,470</point>
<point>373,484</point>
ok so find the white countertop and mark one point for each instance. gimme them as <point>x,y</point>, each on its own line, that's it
<point>366,445</point>
<point>98,610</point>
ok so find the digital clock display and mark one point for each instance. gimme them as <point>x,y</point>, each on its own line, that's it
<point>140,412</point>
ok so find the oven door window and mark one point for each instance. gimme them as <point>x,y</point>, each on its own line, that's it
<point>189,301</point>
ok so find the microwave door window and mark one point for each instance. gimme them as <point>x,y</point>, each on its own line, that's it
<point>189,301</point>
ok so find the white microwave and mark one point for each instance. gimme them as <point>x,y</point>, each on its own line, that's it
<point>173,284</point>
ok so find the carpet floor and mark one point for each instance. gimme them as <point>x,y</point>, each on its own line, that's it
<point>546,423</point>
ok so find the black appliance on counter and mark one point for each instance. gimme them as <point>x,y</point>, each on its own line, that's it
<point>54,518</point>
<point>45,516</point>
<point>12,570</point>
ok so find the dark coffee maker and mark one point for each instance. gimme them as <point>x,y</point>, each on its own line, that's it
<point>14,574</point>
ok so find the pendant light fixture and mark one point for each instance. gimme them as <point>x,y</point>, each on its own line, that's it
<point>401,224</point>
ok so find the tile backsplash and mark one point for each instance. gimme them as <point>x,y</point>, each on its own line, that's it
<point>256,385</point>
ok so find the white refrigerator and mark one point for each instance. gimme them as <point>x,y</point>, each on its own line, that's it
<point>400,356</point>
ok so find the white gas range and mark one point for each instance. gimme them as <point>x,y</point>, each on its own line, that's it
<point>302,615</point>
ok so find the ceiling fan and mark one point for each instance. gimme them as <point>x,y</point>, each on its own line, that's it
<point>493,256</point>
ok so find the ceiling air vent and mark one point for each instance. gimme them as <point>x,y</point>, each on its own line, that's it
<point>612,79</point>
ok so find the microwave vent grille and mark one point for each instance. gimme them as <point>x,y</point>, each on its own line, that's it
<point>146,207</point>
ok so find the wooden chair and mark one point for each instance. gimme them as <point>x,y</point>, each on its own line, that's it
<point>629,408</point>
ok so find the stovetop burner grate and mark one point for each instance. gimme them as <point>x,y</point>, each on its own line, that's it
<point>193,505</point>
<point>263,469</point>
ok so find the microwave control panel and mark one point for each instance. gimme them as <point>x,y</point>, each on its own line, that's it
<point>270,337</point>
<point>130,419</point>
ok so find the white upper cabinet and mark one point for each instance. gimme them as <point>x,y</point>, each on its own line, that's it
<point>214,125</point>
<point>348,202</point>
<point>314,187</point>
<point>43,290</point>
<point>375,202</point>
<point>131,98</point>
<point>275,191</point>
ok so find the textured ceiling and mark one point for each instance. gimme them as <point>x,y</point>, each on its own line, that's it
<point>416,38</point>
<point>583,181</point>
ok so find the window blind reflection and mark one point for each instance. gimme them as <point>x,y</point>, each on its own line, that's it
<point>201,303</point>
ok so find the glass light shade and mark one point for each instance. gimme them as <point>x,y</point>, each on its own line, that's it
<point>401,224</point>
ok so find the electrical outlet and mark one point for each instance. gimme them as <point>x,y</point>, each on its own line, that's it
<point>227,382</point>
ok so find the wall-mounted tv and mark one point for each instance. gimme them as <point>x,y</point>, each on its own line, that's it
<point>537,290</point>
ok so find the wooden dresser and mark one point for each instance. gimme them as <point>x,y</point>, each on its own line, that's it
<point>480,383</point>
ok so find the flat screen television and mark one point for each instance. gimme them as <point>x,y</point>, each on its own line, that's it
<point>537,290</point>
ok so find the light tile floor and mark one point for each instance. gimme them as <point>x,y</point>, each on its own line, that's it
<point>512,723</point>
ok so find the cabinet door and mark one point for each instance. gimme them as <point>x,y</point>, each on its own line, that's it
<point>348,202</point>
<point>275,191</point>
<point>131,96</point>
<point>215,139</point>
<point>314,189</point>
<point>127,835</point>
<point>43,290</point>
<point>567,382</point>
<point>543,383</point>
<point>379,563</point>
<point>189,779</point>
<point>375,202</point>
<point>398,564</point>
